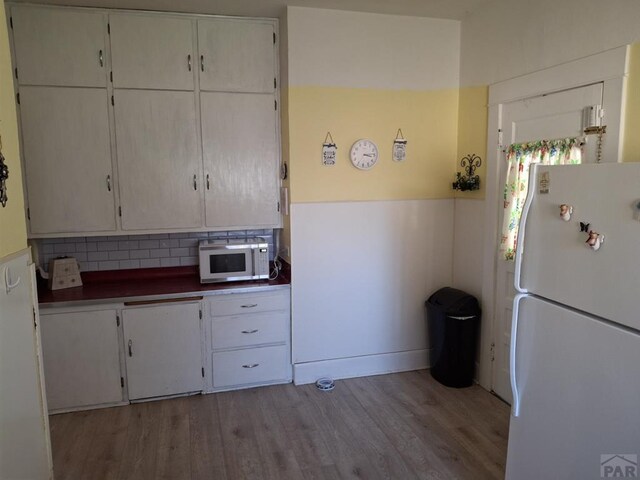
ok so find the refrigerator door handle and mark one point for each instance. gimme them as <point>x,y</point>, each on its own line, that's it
<point>521,230</point>
<point>512,356</point>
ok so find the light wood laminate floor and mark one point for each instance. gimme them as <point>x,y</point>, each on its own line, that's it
<point>398,426</point>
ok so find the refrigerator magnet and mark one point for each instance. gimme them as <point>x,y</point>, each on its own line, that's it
<point>595,240</point>
<point>565,212</point>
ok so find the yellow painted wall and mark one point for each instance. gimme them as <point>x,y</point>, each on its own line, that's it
<point>13,230</point>
<point>631,144</point>
<point>428,120</point>
<point>472,132</point>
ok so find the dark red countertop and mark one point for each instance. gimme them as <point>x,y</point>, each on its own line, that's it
<point>144,282</point>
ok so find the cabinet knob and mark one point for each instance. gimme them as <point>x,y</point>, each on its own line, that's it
<point>189,61</point>
<point>130,348</point>
<point>109,182</point>
<point>202,62</point>
<point>208,181</point>
<point>251,365</point>
<point>252,305</point>
<point>250,331</point>
<point>195,182</point>
<point>100,58</point>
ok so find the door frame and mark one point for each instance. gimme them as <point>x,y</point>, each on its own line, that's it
<point>610,68</point>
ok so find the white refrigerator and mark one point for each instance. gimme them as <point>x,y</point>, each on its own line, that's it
<point>575,344</point>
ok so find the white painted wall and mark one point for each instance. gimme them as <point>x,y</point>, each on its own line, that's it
<point>468,245</point>
<point>331,48</point>
<point>361,273</point>
<point>509,38</point>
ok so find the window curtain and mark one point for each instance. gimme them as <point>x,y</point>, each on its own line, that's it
<point>520,156</point>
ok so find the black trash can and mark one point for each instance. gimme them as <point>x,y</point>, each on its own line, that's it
<point>453,318</point>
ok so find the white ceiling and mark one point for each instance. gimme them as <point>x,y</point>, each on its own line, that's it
<point>452,9</point>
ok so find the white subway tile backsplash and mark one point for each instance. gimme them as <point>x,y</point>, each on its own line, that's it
<point>189,242</point>
<point>119,255</point>
<point>97,256</point>
<point>128,245</point>
<point>169,243</point>
<point>150,263</point>
<point>159,253</point>
<point>186,261</point>
<point>88,266</point>
<point>111,265</point>
<point>139,254</point>
<point>64,248</point>
<point>107,246</point>
<point>179,252</point>
<point>169,262</point>
<point>135,251</point>
<point>124,264</point>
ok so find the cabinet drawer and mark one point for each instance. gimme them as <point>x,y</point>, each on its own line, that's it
<point>255,365</point>
<point>245,330</point>
<point>249,303</point>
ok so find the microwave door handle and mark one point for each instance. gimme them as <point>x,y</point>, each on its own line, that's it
<point>253,262</point>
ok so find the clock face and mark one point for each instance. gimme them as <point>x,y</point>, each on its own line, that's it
<point>364,154</point>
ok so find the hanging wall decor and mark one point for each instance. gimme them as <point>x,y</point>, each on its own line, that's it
<point>399,147</point>
<point>329,151</point>
<point>4,176</point>
<point>468,180</point>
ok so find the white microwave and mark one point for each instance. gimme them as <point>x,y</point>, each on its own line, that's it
<point>233,259</point>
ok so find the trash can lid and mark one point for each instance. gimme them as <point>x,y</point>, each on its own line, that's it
<point>454,302</point>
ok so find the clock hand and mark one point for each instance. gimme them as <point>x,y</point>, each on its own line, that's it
<point>367,155</point>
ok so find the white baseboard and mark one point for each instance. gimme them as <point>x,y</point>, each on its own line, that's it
<point>360,366</point>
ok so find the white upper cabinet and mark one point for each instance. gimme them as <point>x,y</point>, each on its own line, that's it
<point>236,55</point>
<point>67,159</point>
<point>152,52</point>
<point>59,47</point>
<point>159,164</point>
<point>240,147</point>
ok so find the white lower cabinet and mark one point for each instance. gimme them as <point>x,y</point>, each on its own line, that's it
<point>250,339</point>
<point>250,366</point>
<point>106,355</point>
<point>163,350</point>
<point>81,359</point>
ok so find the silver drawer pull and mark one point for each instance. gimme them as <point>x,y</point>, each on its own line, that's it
<point>251,305</point>
<point>250,331</point>
<point>251,365</point>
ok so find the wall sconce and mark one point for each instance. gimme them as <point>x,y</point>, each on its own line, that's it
<point>468,181</point>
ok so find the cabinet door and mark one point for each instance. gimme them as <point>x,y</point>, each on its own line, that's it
<point>240,157</point>
<point>236,55</point>
<point>81,359</point>
<point>59,47</point>
<point>67,155</point>
<point>158,161</point>
<point>154,52</point>
<point>163,350</point>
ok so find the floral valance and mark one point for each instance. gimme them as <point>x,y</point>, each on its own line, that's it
<point>519,158</point>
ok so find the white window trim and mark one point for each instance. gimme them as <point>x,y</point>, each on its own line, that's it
<point>610,68</point>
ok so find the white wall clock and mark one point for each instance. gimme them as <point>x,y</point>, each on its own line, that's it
<point>364,154</point>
